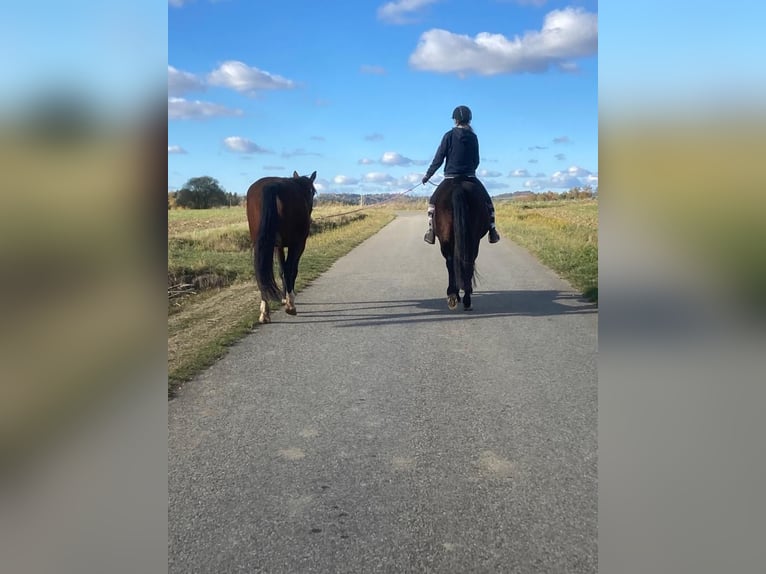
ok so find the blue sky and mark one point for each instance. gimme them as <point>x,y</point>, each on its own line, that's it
<point>363,91</point>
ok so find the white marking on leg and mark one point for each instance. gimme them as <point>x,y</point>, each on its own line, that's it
<point>265,316</point>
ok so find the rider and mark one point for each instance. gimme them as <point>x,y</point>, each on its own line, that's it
<point>460,147</point>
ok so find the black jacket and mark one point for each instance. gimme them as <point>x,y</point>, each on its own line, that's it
<point>460,147</point>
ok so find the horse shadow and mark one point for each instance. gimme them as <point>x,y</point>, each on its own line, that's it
<point>486,305</point>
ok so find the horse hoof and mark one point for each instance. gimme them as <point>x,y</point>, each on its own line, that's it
<point>468,308</point>
<point>452,301</point>
<point>291,311</point>
<point>264,320</point>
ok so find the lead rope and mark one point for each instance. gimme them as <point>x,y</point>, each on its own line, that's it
<point>372,205</point>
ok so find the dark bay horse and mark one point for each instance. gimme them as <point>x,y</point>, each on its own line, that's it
<point>279,216</point>
<point>461,219</point>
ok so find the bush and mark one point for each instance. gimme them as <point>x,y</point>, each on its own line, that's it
<point>201,193</point>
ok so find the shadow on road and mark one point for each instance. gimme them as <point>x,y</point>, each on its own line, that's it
<point>486,304</point>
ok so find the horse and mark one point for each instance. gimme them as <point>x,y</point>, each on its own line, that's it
<point>279,217</point>
<point>460,221</point>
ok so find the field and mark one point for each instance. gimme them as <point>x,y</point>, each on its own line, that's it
<point>212,301</point>
<point>561,234</point>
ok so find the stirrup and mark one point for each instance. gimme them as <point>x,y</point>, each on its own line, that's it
<point>429,237</point>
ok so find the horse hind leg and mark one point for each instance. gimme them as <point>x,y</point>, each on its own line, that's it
<point>265,316</point>
<point>290,303</point>
<point>453,293</point>
<point>291,274</point>
<point>280,253</point>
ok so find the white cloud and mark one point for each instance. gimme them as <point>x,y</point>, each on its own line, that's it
<point>401,11</point>
<point>180,82</point>
<point>573,177</point>
<point>488,173</point>
<point>321,185</point>
<point>519,173</point>
<point>176,149</point>
<point>564,180</point>
<point>533,185</point>
<point>243,145</point>
<point>182,109</point>
<point>566,34</point>
<point>410,178</point>
<point>492,184</point>
<point>561,140</point>
<point>378,177</point>
<point>560,156</point>
<point>345,180</point>
<point>576,171</point>
<point>393,158</point>
<point>366,161</point>
<point>246,79</point>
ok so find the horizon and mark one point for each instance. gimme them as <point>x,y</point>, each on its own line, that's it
<point>363,92</point>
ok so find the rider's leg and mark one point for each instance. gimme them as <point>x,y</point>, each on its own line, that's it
<point>494,237</point>
<point>429,236</point>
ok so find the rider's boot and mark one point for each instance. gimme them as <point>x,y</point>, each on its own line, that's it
<point>494,237</point>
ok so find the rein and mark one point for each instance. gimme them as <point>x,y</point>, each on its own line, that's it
<point>372,205</point>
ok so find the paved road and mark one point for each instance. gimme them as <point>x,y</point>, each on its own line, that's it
<point>377,431</point>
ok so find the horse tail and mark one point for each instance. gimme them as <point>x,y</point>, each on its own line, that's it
<point>263,259</point>
<point>463,258</point>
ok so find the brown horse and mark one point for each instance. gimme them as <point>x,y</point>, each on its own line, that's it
<point>461,219</point>
<point>279,216</point>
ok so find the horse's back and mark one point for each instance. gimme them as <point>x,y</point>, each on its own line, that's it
<point>472,196</point>
<point>293,212</point>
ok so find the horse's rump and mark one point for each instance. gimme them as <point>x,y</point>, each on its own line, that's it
<point>461,219</point>
<point>279,216</point>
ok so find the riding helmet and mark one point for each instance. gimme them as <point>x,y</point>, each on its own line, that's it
<point>462,114</point>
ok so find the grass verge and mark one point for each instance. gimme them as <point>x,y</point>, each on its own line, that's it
<point>563,235</point>
<point>209,251</point>
<point>202,326</point>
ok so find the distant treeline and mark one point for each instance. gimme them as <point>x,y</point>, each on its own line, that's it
<point>205,192</point>
<point>364,199</point>
<point>574,193</point>
<point>370,199</point>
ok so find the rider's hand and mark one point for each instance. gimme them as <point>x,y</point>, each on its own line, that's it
<point>425,179</point>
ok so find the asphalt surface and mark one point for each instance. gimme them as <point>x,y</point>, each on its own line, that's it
<point>378,431</point>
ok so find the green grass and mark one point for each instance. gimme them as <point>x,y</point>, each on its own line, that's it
<point>562,234</point>
<point>211,248</point>
<point>208,249</point>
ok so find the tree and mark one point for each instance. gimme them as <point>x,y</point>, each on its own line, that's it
<point>232,199</point>
<point>201,193</point>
